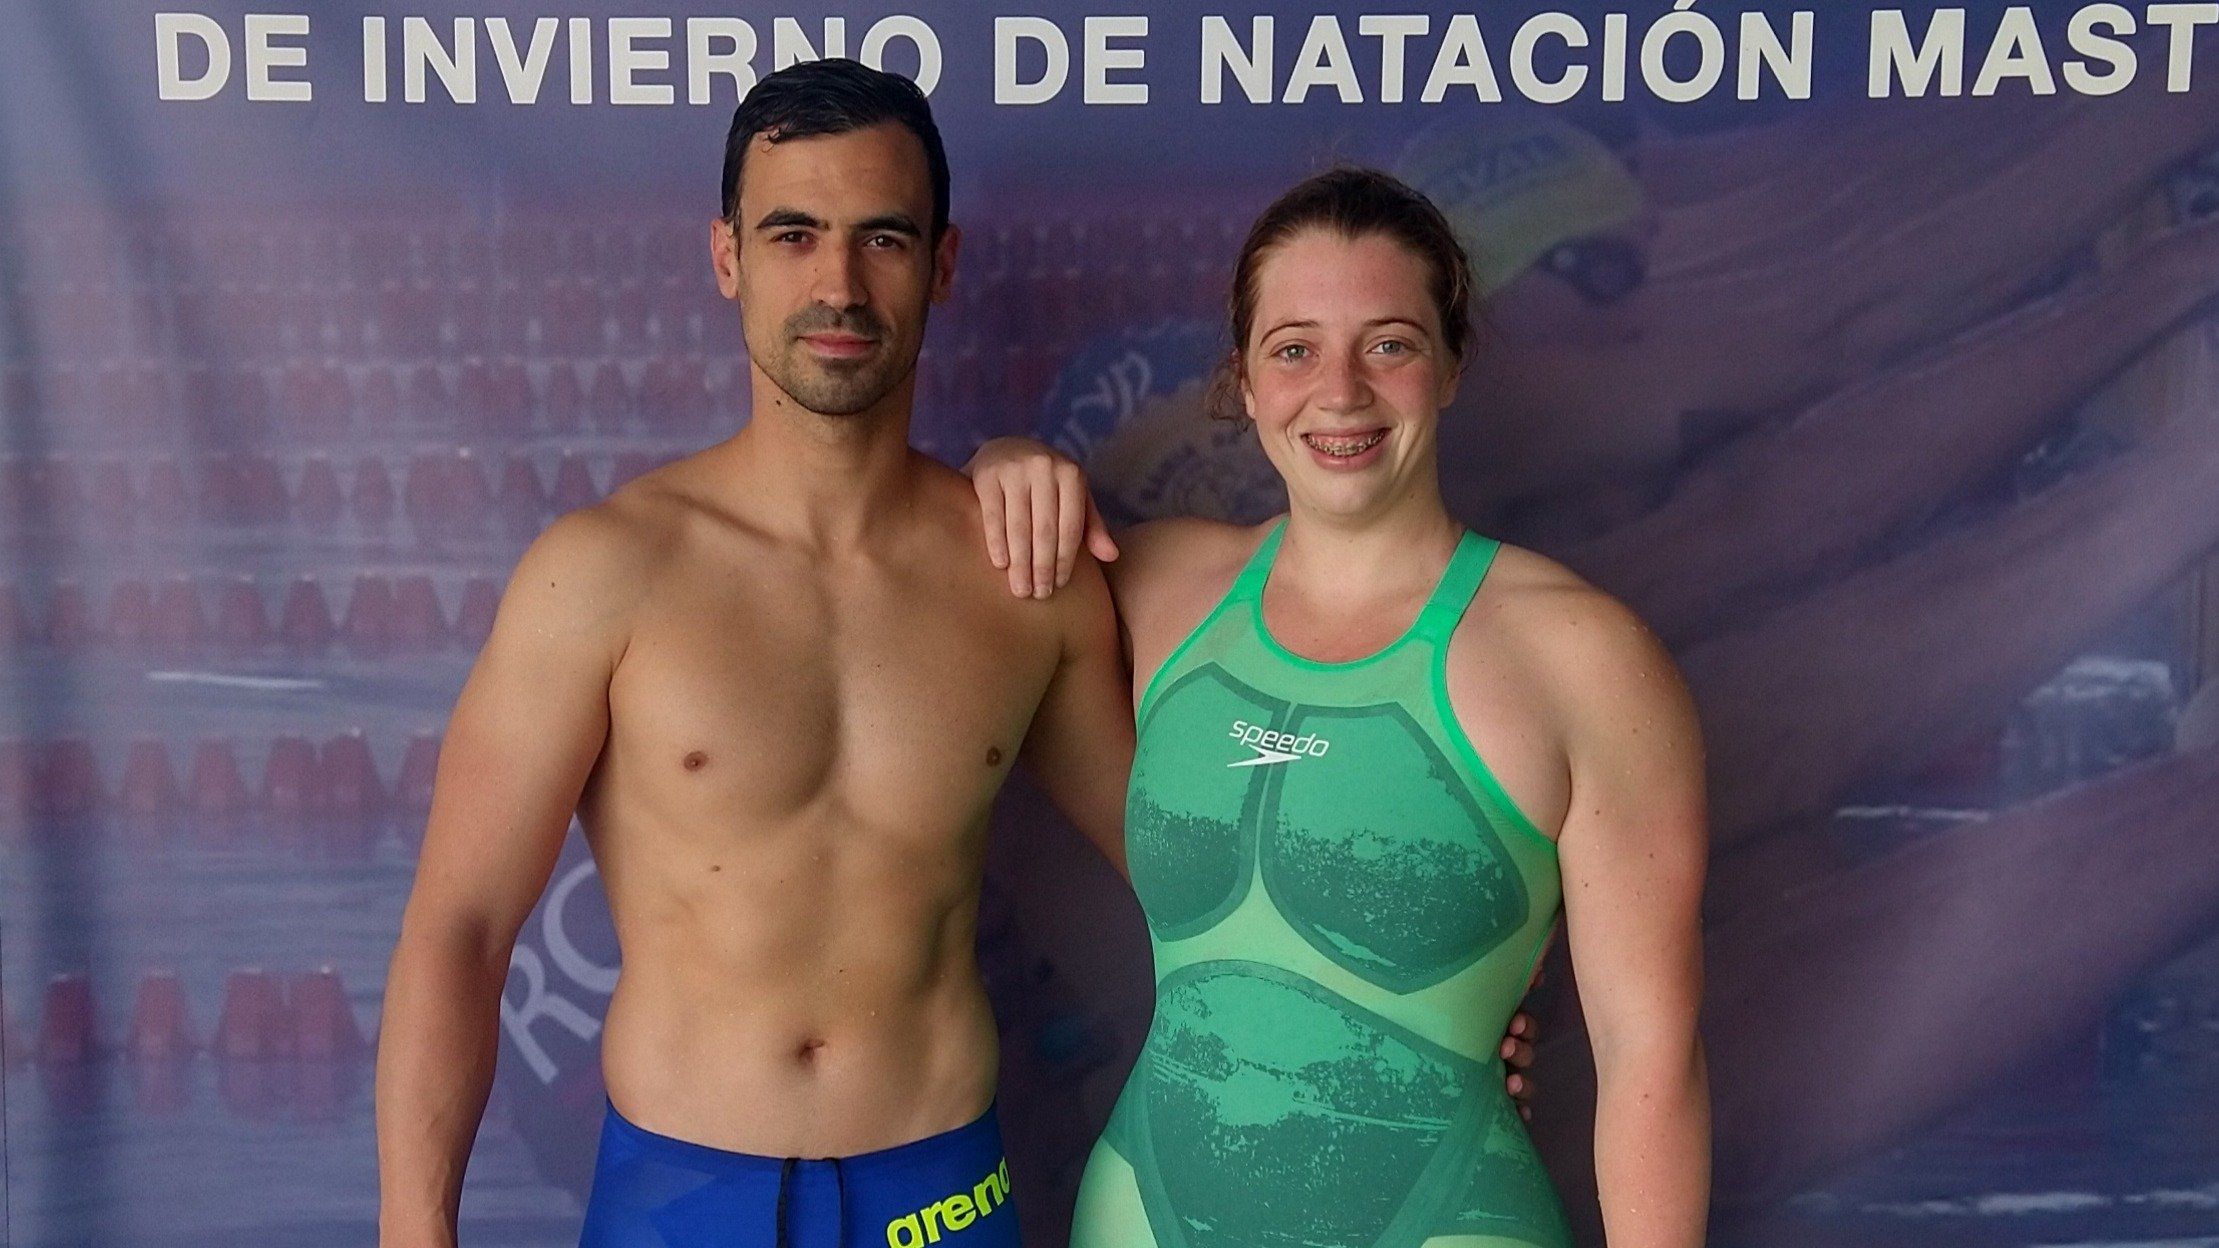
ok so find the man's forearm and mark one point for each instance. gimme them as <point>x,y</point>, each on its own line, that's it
<point>1652,1149</point>
<point>436,1048</point>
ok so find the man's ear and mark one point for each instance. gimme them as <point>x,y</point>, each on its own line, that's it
<point>724,256</point>
<point>943,261</point>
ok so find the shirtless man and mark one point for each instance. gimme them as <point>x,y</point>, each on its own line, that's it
<point>781,687</point>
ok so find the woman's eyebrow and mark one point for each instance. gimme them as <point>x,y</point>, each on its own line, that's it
<point>1374,323</point>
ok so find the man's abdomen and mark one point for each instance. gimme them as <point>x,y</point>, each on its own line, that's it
<point>852,1021</point>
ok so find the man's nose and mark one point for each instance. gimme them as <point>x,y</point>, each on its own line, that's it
<point>839,278</point>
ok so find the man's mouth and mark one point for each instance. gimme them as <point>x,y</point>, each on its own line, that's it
<point>1343,445</point>
<point>839,345</point>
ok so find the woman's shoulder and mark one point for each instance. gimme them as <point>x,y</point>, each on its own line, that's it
<point>1593,651</point>
<point>1169,573</point>
<point>1533,588</point>
<point>1182,550</point>
<point>1537,601</point>
<point>1191,536</point>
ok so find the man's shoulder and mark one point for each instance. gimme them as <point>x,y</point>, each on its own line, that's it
<point>949,523</point>
<point>599,560</point>
<point>615,538</point>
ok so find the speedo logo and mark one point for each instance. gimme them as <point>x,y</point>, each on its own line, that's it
<point>1275,747</point>
<point>952,1213</point>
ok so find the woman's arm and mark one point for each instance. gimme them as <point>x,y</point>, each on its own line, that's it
<point>1632,853</point>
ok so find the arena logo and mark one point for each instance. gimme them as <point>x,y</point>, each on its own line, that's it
<point>952,1213</point>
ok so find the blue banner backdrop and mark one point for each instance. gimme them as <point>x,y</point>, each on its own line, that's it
<point>1865,352</point>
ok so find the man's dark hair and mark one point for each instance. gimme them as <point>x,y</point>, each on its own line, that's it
<point>833,96</point>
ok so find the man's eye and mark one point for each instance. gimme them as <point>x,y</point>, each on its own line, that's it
<point>885,240</point>
<point>790,236</point>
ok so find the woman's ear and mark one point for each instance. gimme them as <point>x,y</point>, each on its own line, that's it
<point>1451,383</point>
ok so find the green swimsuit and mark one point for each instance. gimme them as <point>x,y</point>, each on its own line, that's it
<point>1345,909</point>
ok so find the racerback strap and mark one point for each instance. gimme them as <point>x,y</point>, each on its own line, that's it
<point>1435,623</point>
<point>1467,568</point>
<point>1250,583</point>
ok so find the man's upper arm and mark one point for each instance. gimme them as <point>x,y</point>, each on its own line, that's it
<point>1634,842</point>
<point>528,728</point>
<point>1080,747</point>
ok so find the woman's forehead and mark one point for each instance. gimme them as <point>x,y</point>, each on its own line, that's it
<point>1325,276</point>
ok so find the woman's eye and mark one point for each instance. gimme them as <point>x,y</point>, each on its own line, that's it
<point>1392,346</point>
<point>1291,352</point>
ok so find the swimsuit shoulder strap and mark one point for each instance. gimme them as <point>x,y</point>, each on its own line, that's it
<point>1467,569</point>
<point>1248,586</point>
<point>1250,583</point>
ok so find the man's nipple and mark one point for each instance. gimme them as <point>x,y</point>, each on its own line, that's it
<point>695,761</point>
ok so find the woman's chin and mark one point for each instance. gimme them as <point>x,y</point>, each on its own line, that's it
<point>1339,497</point>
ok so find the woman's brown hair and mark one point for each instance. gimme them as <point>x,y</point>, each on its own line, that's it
<point>1355,203</point>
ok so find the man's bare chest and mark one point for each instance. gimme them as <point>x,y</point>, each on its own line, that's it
<point>897,702</point>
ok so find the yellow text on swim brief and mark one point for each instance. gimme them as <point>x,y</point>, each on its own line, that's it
<point>950,1213</point>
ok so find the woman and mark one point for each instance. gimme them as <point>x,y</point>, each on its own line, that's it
<point>1374,751</point>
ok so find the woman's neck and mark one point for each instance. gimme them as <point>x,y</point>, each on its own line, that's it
<point>1380,556</point>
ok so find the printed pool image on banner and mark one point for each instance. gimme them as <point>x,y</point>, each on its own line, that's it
<point>1870,359</point>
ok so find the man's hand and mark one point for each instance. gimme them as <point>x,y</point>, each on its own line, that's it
<point>1036,510</point>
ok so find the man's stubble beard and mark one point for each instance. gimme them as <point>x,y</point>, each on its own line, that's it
<point>836,390</point>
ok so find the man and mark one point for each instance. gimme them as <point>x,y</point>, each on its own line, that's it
<point>781,686</point>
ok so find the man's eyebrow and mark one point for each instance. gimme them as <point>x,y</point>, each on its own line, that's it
<point>787,218</point>
<point>891,223</point>
<point>885,223</point>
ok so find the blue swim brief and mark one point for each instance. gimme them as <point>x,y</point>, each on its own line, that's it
<point>652,1191</point>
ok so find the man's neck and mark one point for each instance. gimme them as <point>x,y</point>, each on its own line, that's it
<point>824,480</point>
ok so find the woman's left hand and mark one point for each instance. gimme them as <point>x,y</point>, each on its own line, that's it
<point>1517,1056</point>
<point>1037,511</point>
